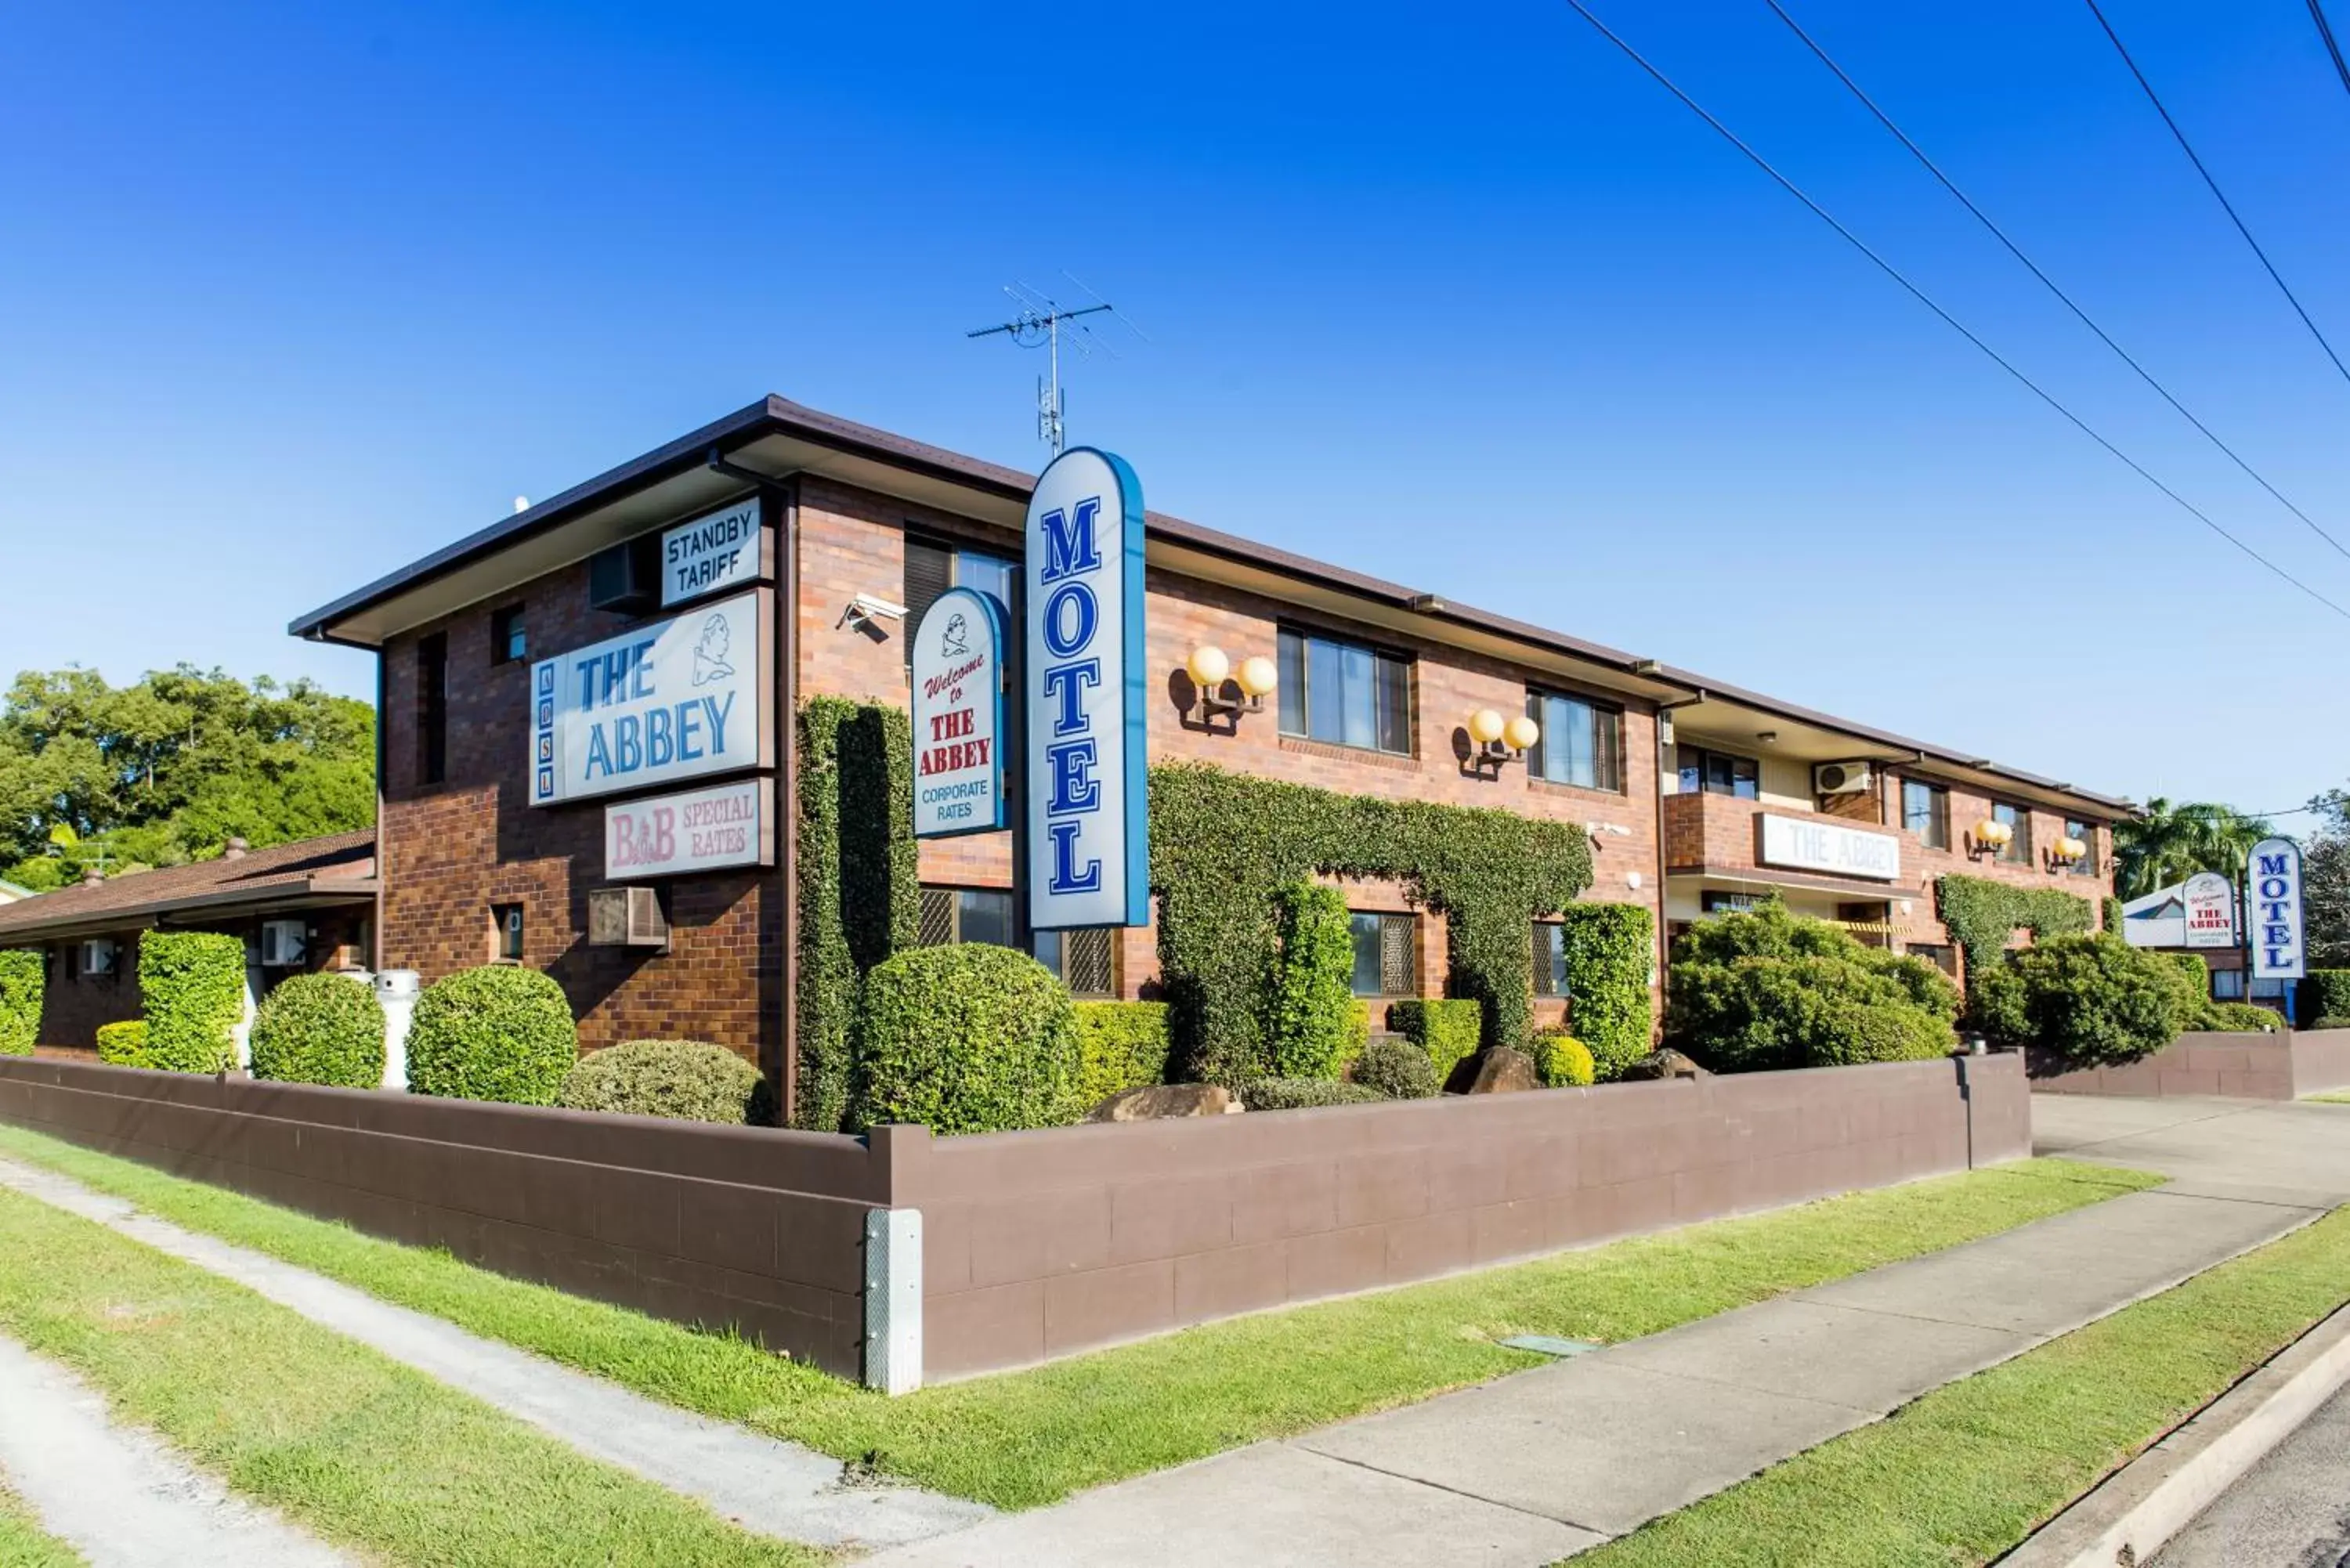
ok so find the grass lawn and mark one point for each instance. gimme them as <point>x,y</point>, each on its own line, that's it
<point>2339,1097</point>
<point>1965,1473</point>
<point>1021,1440</point>
<point>361,1449</point>
<point>23,1543</point>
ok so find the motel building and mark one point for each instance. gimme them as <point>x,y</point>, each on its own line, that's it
<point>707,588</point>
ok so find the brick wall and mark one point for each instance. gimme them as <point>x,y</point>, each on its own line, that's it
<point>74,1005</point>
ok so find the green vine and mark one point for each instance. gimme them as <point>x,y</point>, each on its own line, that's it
<point>1610,953</point>
<point>1312,994</point>
<point>1982,915</point>
<point>1223,844</point>
<point>859,897</point>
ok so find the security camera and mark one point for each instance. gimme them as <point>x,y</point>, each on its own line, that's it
<point>866,607</point>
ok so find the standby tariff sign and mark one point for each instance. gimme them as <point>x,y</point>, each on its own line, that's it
<point>958,716</point>
<point>674,700</point>
<point>1088,848</point>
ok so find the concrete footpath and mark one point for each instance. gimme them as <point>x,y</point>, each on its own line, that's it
<point>1549,1462</point>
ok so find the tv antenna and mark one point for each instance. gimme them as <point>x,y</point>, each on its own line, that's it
<point>1040,324</point>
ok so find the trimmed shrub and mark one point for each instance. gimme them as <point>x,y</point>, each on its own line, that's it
<point>2239,1018</point>
<point>123,1044</point>
<point>1773,990</point>
<point>192,984</point>
<point>1610,953</point>
<point>1120,1046</point>
<point>496,1032</point>
<point>1565,1062</point>
<point>683,1080</point>
<point>2331,1021</point>
<point>965,1039</point>
<point>2325,993</point>
<point>1304,1094</point>
<point>2092,1000</point>
<point>24,972</point>
<point>1447,1029</point>
<point>320,1029</point>
<point>1397,1070</point>
<point>1310,1030</point>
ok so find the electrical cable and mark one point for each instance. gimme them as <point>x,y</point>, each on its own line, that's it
<point>1922,297</point>
<point>2225,205</point>
<point>2046,282</point>
<point>2326,31</point>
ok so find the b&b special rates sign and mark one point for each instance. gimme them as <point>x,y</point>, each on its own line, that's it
<point>958,716</point>
<point>699,830</point>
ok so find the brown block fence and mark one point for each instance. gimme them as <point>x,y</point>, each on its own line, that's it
<point>2280,1066</point>
<point>1037,1244</point>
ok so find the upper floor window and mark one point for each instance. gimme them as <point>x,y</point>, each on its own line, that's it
<point>1718,773</point>
<point>931,569</point>
<point>1344,692</point>
<point>1926,811</point>
<point>509,642</point>
<point>2086,832</point>
<point>1581,744</point>
<point>1387,957</point>
<point>432,708</point>
<point>2018,848</point>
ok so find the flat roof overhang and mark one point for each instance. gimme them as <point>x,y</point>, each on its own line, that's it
<point>782,440</point>
<point>325,893</point>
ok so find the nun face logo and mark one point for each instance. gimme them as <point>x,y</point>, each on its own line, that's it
<point>710,653</point>
<point>956,639</point>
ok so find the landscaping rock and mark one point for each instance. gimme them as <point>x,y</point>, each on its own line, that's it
<point>1665,1064</point>
<point>1498,1071</point>
<point>1153,1102</point>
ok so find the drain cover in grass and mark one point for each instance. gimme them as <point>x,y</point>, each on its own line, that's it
<point>1548,1344</point>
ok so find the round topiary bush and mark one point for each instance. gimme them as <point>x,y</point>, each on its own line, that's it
<point>123,1044</point>
<point>1302,1094</point>
<point>2092,1000</point>
<point>1565,1061</point>
<point>320,1029</point>
<point>1397,1069</point>
<point>963,1039</point>
<point>684,1080</point>
<point>497,1033</point>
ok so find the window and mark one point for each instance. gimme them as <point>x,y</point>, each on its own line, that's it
<point>432,708</point>
<point>931,569</point>
<point>2018,849</point>
<point>2086,832</point>
<point>1550,959</point>
<point>508,643</point>
<point>1712,901</point>
<point>1345,693</point>
<point>1387,960</point>
<point>1581,742</point>
<point>1718,773</point>
<point>967,915</point>
<point>2228,985</point>
<point>1926,811</point>
<point>506,932</point>
<point>1082,959</point>
<point>1941,955</point>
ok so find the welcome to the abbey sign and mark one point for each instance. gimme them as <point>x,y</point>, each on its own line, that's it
<point>1088,841</point>
<point>957,671</point>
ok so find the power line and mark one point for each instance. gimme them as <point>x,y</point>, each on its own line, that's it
<point>2220,196</point>
<point>2326,31</point>
<point>1922,297</point>
<point>2046,282</point>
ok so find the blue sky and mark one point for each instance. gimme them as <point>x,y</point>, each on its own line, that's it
<point>290,296</point>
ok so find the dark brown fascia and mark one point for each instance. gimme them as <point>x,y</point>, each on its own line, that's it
<point>318,892</point>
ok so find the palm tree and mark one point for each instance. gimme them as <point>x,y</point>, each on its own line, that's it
<point>2168,844</point>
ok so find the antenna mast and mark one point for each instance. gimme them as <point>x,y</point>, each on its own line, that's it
<point>1039,324</point>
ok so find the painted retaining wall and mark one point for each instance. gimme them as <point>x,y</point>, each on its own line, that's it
<point>2279,1066</point>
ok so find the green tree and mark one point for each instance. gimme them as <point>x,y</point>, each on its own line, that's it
<point>168,769</point>
<point>2325,882</point>
<point>2171,843</point>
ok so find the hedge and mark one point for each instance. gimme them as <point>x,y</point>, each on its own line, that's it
<point>1303,1094</point>
<point>1981,916</point>
<point>1120,1046</point>
<point>192,984</point>
<point>860,895</point>
<point>1449,1031</point>
<point>2241,1018</point>
<point>123,1043</point>
<point>320,1029</point>
<point>1565,1062</point>
<point>965,1039</point>
<point>24,972</point>
<point>496,1032</point>
<point>1610,954</point>
<point>683,1080</point>
<point>2325,993</point>
<point>1312,1003</point>
<point>1396,1070</point>
<point>2092,1000</point>
<point>2331,1021</point>
<point>1769,990</point>
<point>1221,844</point>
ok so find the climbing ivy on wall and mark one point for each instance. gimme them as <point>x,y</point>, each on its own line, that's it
<point>1223,844</point>
<point>1610,953</point>
<point>859,895</point>
<point>1982,915</point>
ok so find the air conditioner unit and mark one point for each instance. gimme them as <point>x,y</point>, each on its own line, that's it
<point>1843,778</point>
<point>98,956</point>
<point>282,943</point>
<point>625,918</point>
<point>626,578</point>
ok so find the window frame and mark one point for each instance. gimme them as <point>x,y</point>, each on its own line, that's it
<point>1684,752</point>
<point>2086,832</point>
<point>1606,720</point>
<point>955,550</point>
<point>2017,850</point>
<point>1390,669</point>
<point>1383,920</point>
<point>1938,811</point>
<point>1059,961</point>
<point>1551,983</point>
<point>957,913</point>
<point>509,636</point>
<point>509,932</point>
